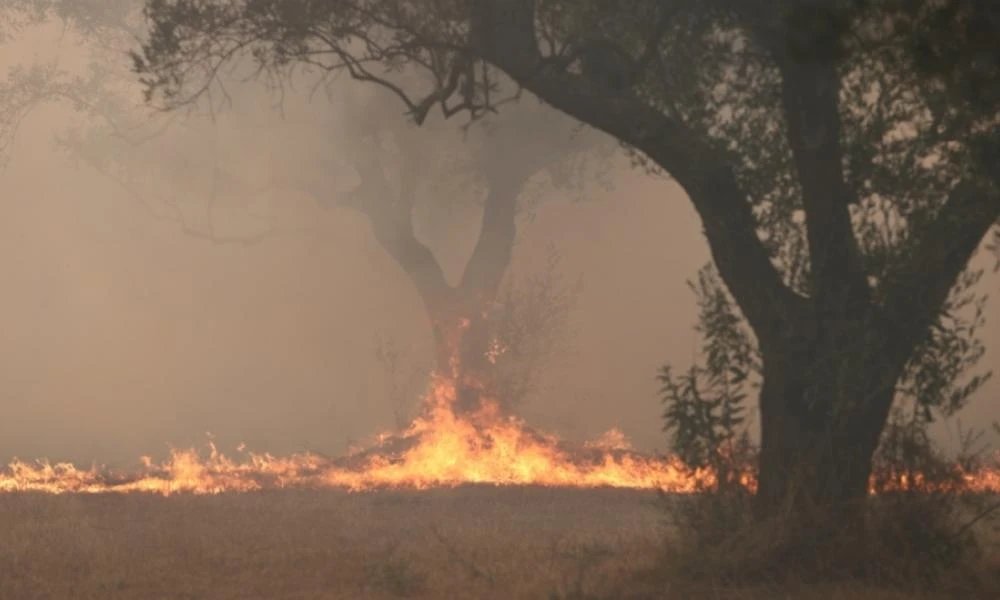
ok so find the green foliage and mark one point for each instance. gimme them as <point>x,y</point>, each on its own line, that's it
<point>705,409</point>
<point>942,374</point>
<point>901,178</point>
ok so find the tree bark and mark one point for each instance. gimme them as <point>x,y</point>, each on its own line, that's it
<point>460,315</point>
<point>823,405</point>
<point>461,344</point>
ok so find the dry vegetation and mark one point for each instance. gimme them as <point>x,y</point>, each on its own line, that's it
<point>471,542</point>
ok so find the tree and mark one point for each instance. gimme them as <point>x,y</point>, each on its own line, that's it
<point>406,173</point>
<point>706,406</point>
<point>168,164</point>
<point>153,160</point>
<point>792,124</point>
<point>528,326</point>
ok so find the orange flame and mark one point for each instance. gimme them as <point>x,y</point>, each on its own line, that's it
<point>439,448</point>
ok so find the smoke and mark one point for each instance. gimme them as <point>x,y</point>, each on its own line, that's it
<point>194,292</point>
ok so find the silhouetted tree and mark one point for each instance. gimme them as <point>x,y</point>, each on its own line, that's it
<point>790,124</point>
<point>406,173</point>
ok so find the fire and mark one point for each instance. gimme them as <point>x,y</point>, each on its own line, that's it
<point>439,449</point>
<point>488,449</point>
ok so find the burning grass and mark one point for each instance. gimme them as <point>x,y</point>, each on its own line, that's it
<point>439,449</point>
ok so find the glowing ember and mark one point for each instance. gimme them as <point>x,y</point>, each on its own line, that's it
<point>437,449</point>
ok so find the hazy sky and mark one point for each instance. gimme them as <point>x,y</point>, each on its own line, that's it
<point>122,335</point>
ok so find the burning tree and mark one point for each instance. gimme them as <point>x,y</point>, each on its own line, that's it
<point>411,178</point>
<point>528,325</point>
<point>787,123</point>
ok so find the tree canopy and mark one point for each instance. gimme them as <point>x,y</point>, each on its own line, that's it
<point>714,79</point>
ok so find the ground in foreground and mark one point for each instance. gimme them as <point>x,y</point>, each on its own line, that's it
<point>472,542</point>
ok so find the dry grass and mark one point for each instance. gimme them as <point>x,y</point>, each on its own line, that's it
<point>464,543</point>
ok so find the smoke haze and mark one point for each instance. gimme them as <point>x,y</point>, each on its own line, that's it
<point>123,334</point>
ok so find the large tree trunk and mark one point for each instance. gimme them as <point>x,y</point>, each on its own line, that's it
<point>824,403</point>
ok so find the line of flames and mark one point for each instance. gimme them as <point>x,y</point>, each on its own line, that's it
<point>448,451</point>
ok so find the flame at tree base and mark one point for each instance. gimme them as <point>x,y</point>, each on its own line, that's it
<point>439,449</point>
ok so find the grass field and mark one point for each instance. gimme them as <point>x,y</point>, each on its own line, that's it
<point>473,542</point>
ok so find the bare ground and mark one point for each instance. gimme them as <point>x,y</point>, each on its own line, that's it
<point>474,542</point>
